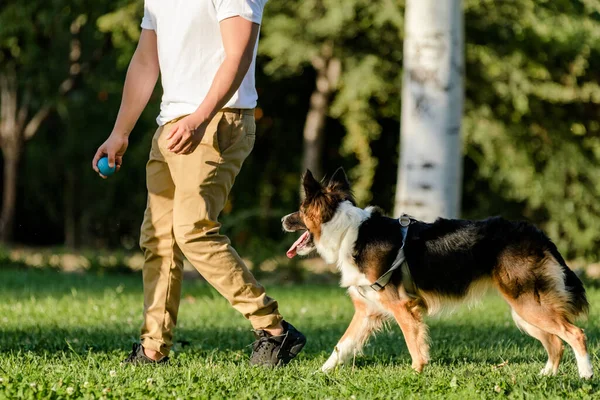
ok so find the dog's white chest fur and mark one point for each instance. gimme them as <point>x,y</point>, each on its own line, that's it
<point>351,276</point>
<point>338,237</point>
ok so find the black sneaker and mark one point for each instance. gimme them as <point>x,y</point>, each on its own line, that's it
<point>276,351</point>
<point>137,356</point>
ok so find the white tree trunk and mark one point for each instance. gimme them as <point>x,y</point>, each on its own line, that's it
<point>430,168</point>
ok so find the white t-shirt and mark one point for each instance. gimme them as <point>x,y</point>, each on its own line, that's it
<point>190,50</point>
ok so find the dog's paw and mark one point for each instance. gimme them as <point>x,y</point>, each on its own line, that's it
<point>329,365</point>
<point>418,367</point>
<point>548,370</point>
<point>589,374</point>
<point>332,362</point>
<point>584,365</point>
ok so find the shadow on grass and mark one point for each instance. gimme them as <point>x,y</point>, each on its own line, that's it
<point>22,283</point>
<point>483,344</point>
<point>453,340</point>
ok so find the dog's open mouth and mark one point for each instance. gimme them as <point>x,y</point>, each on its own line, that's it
<point>299,244</point>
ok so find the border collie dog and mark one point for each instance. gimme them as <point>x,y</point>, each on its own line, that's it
<point>447,261</point>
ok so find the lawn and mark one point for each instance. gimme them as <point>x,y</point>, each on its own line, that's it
<point>63,335</point>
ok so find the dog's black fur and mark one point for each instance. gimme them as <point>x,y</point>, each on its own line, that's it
<point>446,256</point>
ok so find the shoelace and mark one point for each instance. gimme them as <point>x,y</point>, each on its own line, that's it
<point>267,339</point>
<point>134,351</point>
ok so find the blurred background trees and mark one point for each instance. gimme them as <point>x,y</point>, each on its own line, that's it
<point>354,51</point>
<point>46,53</point>
<point>531,135</point>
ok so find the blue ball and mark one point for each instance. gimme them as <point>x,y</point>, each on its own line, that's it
<point>104,168</point>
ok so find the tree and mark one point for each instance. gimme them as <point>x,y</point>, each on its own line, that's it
<point>429,172</point>
<point>531,131</point>
<point>352,47</point>
<point>530,126</point>
<point>328,73</point>
<point>34,35</point>
<point>16,127</point>
<point>20,113</point>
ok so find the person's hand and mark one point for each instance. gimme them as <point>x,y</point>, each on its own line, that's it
<point>185,135</point>
<point>114,148</point>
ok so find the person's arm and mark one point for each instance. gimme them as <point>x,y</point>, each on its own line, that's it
<point>140,81</point>
<point>239,37</point>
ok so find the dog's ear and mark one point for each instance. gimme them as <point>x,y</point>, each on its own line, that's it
<point>339,181</point>
<point>310,184</point>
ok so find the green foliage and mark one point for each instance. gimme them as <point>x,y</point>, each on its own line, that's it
<point>531,136</point>
<point>531,131</point>
<point>33,35</point>
<point>63,335</point>
<point>48,45</point>
<point>124,26</point>
<point>365,37</point>
<point>531,114</point>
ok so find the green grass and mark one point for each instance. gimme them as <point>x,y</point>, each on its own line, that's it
<point>63,335</point>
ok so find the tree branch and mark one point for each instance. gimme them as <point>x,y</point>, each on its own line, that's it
<point>14,118</point>
<point>35,122</point>
<point>334,70</point>
<point>317,62</point>
<point>23,110</point>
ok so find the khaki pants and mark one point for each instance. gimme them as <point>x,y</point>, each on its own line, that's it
<point>186,194</point>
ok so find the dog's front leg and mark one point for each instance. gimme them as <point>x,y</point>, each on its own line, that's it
<point>357,333</point>
<point>408,316</point>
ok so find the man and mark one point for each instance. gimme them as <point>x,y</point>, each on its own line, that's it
<point>205,51</point>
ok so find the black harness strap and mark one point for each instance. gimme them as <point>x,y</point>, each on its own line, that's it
<point>399,262</point>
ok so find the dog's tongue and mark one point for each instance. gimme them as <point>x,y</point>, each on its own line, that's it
<point>292,251</point>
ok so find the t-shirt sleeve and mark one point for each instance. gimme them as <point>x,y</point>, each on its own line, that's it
<point>252,10</point>
<point>148,19</point>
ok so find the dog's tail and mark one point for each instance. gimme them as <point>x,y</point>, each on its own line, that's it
<point>578,303</point>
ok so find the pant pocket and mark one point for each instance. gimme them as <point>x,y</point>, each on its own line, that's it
<point>249,125</point>
<point>232,129</point>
